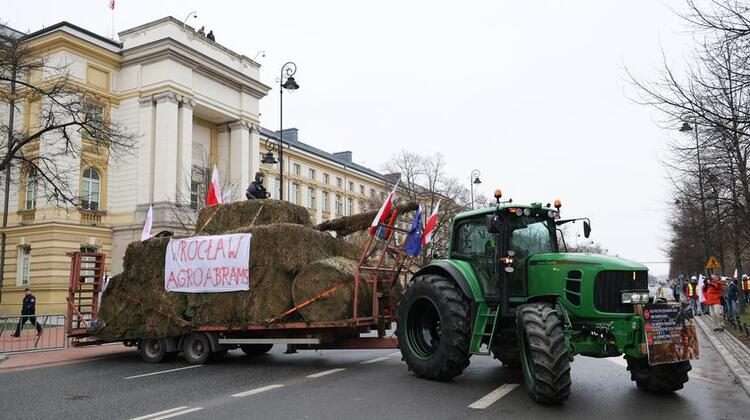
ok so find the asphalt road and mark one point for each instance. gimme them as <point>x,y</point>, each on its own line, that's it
<point>349,385</point>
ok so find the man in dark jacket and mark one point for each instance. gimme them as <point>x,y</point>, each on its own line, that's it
<point>28,312</point>
<point>733,295</point>
<point>256,190</point>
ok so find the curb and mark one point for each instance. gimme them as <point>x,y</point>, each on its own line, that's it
<point>3,357</point>
<point>738,372</point>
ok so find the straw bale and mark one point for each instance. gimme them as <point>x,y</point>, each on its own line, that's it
<point>214,220</point>
<point>349,224</point>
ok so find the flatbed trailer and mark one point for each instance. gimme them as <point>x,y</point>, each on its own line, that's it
<point>388,264</point>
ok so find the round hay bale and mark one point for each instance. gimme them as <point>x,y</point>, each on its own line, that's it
<point>214,220</point>
<point>321,276</point>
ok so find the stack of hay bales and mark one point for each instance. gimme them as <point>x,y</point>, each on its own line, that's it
<point>290,263</point>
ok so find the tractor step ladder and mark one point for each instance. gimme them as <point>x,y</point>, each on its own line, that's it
<point>84,287</point>
<point>487,315</point>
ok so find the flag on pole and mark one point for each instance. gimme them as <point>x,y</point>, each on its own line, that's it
<point>385,209</point>
<point>429,227</point>
<point>214,196</point>
<point>112,4</point>
<point>413,244</point>
<point>146,233</point>
<point>735,274</point>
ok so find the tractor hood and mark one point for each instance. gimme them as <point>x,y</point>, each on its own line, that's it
<point>601,262</point>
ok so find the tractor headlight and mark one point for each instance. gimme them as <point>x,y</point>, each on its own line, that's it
<point>635,297</point>
<point>550,214</point>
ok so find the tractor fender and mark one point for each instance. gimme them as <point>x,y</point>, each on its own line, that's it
<point>449,271</point>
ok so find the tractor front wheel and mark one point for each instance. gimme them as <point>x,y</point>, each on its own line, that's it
<point>664,378</point>
<point>434,328</point>
<point>544,358</point>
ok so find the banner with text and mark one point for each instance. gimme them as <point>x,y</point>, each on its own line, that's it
<point>208,264</point>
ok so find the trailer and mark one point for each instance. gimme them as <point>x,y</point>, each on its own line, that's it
<point>381,266</point>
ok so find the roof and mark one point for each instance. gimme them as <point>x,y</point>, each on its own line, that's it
<point>293,143</point>
<point>502,206</point>
<point>7,31</point>
<point>77,28</point>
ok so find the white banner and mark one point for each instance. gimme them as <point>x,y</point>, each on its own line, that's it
<point>208,264</point>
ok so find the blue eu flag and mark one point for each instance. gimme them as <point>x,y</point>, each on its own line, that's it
<point>414,240</point>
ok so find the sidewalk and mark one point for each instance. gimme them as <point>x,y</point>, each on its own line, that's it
<point>735,354</point>
<point>33,360</point>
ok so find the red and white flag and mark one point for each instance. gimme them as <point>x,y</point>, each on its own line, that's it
<point>429,227</point>
<point>385,209</point>
<point>146,233</point>
<point>112,4</point>
<point>214,196</point>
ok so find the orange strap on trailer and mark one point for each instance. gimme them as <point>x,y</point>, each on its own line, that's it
<point>307,302</point>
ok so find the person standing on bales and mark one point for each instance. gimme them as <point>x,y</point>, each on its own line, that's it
<point>256,190</point>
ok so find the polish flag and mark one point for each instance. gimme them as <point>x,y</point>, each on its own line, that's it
<point>384,210</point>
<point>146,233</point>
<point>214,196</point>
<point>429,227</point>
<point>112,4</point>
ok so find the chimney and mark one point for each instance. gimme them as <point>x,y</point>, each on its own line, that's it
<point>289,134</point>
<point>345,156</point>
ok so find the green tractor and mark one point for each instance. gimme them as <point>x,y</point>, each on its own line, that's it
<point>507,290</point>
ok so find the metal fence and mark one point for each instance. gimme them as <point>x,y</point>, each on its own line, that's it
<point>32,333</point>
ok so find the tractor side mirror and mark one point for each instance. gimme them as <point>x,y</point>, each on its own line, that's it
<point>586,229</point>
<point>493,223</point>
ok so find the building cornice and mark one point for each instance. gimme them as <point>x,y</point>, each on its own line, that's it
<point>56,41</point>
<point>172,49</point>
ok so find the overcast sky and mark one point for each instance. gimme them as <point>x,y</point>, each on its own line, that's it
<point>531,93</point>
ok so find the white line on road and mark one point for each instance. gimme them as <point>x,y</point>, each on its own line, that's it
<point>398,353</point>
<point>375,360</point>
<point>256,391</point>
<point>163,371</point>
<point>618,361</point>
<point>493,396</point>
<point>178,413</point>
<point>160,414</point>
<point>325,372</point>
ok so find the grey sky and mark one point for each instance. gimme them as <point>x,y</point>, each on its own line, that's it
<point>533,94</point>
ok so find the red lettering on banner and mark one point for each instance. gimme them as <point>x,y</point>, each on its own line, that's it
<point>191,250</point>
<point>219,247</point>
<point>233,252</point>
<point>172,281</point>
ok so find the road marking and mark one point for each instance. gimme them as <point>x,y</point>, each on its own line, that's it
<point>618,361</point>
<point>163,371</point>
<point>398,353</point>
<point>377,359</point>
<point>168,413</point>
<point>256,391</point>
<point>493,396</point>
<point>325,372</point>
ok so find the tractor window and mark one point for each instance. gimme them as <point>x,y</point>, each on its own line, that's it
<point>528,238</point>
<point>473,243</point>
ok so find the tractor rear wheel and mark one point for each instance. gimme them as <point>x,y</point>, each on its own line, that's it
<point>661,379</point>
<point>434,328</point>
<point>544,358</point>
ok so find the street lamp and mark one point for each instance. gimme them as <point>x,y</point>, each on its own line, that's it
<point>474,179</point>
<point>286,81</point>
<point>686,127</point>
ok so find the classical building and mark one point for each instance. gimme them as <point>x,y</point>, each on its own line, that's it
<point>193,104</point>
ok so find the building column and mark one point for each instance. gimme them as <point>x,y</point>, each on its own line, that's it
<point>185,151</point>
<point>222,155</point>
<point>166,130</point>
<point>239,150</point>
<point>145,150</point>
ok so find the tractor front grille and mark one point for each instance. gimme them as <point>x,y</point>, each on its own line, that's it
<point>609,285</point>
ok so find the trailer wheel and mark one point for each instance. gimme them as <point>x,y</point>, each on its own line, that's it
<point>152,350</point>
<point>433,328</point>
<point>662,379</point>
<point>196,349</point>
<point>255,349</point>
<point>544,358</point>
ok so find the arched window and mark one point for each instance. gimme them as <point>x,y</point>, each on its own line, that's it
<point>30,190</point>
<point>90,190</point>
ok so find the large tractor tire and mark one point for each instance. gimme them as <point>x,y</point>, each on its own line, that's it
<point>434,328</point>
<point>544,358</point>
<point>661,379</point>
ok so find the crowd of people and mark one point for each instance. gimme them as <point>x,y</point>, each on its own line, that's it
<point>713,296</point>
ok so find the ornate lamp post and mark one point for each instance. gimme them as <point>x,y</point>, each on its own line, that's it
<point>474,178</point>
<point>286,81</point>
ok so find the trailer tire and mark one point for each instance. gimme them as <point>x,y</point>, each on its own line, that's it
<point>545,360</point>
<point>660,379</point>
<point>196,348</point>
<point>152,350</point>
<point>434,328</point>
<point>255,349</point>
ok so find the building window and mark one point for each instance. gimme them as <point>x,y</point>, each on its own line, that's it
<point>297,169</point>
<point>351,186</point>
<point>90,191</point>
<point>94,120</point>
<point>360,206</point>
<point>293,192</point>
<point>310,198</point>
<point>337,205</point>
<point>349,206</point>
<point>339,182</point>
<point>324,197</point>
<point>196,187</point>
<point>372,192</point>
<point>326,178</point>
<point>30,190</point>
<point>362,189</point>
<point>311,173</point>
<point>276,188</point>
<point>24,265</point>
